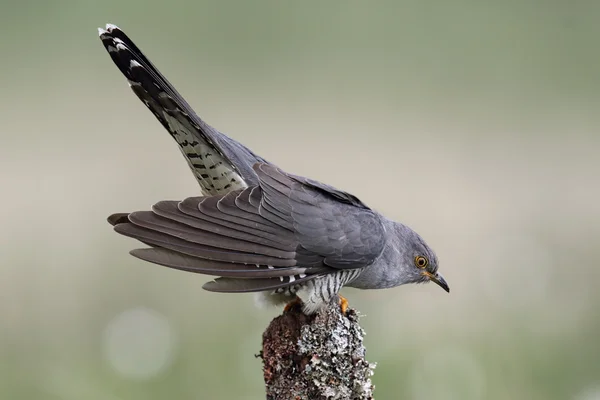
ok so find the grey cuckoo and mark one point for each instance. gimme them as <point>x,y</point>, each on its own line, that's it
<point>255,227</point>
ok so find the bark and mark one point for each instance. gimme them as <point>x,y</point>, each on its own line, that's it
<point>316,357</point>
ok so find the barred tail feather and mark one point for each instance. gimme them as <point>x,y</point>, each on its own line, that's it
<point>219,163</point>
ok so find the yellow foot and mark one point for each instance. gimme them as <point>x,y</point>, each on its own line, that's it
<point>343,304</point>
<point>294,304</point>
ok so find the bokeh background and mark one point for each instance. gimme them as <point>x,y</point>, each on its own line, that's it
<point>476,123</point>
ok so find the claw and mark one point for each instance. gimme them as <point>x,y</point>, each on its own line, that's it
<point>343,304</point>
<point>292,305</point>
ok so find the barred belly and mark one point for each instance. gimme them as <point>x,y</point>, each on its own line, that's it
<point>315,293</point>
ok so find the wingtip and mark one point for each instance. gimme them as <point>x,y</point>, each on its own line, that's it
<point>101,31</point>
<point>212,286</point>
<point>139,253</point>
<point>118,218</point>
<point>111,27</point>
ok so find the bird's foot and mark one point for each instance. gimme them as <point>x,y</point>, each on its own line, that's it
<point>298,305</point>
<point>343,304</point>
<point>295,304</point>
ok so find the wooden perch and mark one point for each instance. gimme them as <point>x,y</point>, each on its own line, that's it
<point>317,357</point>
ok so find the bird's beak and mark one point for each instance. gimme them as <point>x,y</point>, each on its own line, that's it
<point>438,279</point>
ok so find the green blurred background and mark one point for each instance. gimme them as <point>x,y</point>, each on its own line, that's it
<point>476,123</point>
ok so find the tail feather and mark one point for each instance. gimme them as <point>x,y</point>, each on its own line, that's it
<point>219,163</point>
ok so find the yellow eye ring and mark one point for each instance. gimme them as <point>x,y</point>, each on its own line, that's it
<point>421,262</point>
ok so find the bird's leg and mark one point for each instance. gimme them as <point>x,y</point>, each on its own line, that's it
<point>294,304</point>
<point>343,304</point>
<point>297,304</point>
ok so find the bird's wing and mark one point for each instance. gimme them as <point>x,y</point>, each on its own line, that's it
<point>330,191</point>
<point>264,237</point>
<point>219,163</point>
<point>333,224</point>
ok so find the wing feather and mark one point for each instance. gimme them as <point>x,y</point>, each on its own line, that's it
<point>173,259</point>
<point>152,221</point>
<point>159,239</point>
<point>274,235</point>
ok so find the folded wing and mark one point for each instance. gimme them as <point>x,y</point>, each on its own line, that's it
<point>282,232</point>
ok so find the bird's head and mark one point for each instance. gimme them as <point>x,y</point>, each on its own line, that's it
<point>406,258</point>
<point>419,262</point>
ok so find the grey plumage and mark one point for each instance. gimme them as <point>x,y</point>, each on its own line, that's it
<point>218,163</point>
<point>258,228</point>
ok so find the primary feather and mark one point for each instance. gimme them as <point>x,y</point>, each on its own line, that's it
<point>256,245</point>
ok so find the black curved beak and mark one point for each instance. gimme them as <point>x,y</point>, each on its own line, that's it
<point>438,279</point>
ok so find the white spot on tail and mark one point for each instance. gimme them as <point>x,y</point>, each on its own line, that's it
<point>134,63</point>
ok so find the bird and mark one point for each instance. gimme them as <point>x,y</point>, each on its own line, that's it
<point>255,227</point>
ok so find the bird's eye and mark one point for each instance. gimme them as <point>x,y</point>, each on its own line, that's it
<point>421,262</point>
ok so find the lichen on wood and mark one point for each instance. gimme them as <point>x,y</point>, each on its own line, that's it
<point>317,357</point>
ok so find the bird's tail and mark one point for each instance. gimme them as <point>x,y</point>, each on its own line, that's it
<point>219,163</point>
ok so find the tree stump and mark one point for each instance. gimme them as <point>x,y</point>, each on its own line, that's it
<point>317,357</point>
